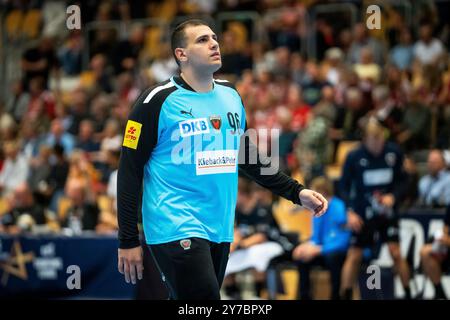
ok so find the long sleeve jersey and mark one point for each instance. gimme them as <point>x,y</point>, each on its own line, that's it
<point>179,158</point>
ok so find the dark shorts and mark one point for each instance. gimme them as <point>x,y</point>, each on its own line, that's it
<point>376,230</point>
<point>192,268</point>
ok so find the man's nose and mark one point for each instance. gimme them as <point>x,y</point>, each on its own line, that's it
<point>214,44</point>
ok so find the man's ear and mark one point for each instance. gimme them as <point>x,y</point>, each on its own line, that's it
<point>180,54</point>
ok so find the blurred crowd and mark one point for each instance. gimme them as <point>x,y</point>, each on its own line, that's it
<point>62,122</point>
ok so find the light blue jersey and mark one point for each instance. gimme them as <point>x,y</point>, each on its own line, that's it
<point>181,147</point>
<point>190,180</point>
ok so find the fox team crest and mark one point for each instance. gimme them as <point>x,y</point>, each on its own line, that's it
<point>216,122</point>
<point>185,244</point>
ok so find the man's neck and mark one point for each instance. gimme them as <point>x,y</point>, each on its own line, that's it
<point>199,83</point>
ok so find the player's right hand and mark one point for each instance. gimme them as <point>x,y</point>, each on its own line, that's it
<point>131,264</point>
<point>354,221</point>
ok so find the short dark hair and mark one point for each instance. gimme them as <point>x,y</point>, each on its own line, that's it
<point>178,38</point>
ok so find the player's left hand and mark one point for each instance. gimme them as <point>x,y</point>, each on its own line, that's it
<point>313,201</point>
